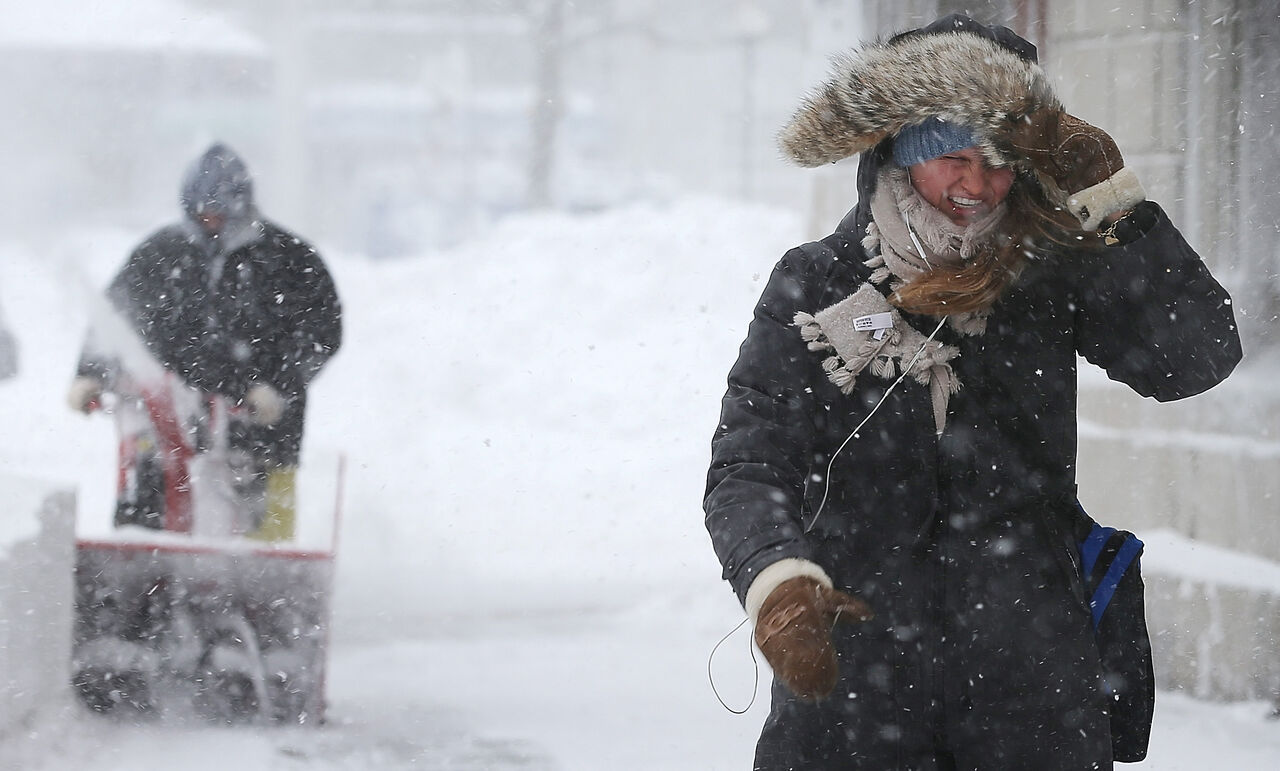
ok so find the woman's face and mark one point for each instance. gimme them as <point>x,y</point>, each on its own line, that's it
<point>961,184</point>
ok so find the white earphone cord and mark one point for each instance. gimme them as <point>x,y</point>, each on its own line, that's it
<point>826,490</point>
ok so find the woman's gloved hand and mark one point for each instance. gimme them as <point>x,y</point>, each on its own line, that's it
<point>793,631</point>
<point>1082,160</point>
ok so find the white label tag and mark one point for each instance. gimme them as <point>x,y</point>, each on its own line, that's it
<point>873,321</point>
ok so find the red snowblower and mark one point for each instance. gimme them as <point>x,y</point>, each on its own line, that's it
<point>180,612</point>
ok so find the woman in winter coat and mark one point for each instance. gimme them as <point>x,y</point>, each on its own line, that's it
<point>897,443</point>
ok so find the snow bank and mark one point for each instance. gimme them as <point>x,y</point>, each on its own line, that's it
<point>528,417</point>
<point>35,602</point>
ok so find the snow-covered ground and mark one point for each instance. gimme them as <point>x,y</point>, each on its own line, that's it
<point>523,577</point>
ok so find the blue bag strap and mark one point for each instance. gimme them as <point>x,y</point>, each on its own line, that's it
<point>1128,552</point>
<point>1092,546</point>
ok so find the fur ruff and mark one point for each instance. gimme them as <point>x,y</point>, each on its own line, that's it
<point>883,87</point>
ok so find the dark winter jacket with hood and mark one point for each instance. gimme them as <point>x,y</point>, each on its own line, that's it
<point>251,304</point>
<point>962,543</point>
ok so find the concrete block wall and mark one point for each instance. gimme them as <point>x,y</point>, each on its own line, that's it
<point>1124,67</point>
<point>1207,469</point>
<point>1214,640</point>
<point>1215,618</point>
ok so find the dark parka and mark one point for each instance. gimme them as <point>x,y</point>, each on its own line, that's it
<point>270,315</point>
<point>963,544</point>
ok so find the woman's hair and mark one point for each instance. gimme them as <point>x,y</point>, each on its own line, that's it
<point>1032,226</point>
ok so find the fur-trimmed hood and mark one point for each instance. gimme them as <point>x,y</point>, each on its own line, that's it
<point>954,69</point>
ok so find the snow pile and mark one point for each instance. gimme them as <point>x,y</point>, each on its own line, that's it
<point>35,618</point>
<point>529,416</point>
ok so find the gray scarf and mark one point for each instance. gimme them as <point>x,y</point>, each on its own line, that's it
<point>864,330</point>
<point>895,254</point>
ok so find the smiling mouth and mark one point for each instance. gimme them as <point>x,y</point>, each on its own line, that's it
<point>965,203</point>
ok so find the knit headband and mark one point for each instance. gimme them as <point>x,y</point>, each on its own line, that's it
<point>931,139</point>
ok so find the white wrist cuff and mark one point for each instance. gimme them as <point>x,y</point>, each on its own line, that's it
<point>1118,192</point>
<point>774,575</point>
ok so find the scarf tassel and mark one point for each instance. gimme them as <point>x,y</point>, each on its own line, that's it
<point>843,379</point>
<point>942,385</point>
<point>811,332</point>
<point>883,367</point>
<point>871,241</point>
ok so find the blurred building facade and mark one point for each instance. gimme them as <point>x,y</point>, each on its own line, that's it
<point>421,121</point>
<point>91,99</point>
<point>1187,88</point>
<point>393,126</point>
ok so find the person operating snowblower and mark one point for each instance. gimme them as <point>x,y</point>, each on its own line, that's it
<point>240,315</point>
<point>203,350</point>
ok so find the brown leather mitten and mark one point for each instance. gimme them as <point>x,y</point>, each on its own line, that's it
<point>1082,160</point>
<point>794,629</point>
<point>1074,154</point>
